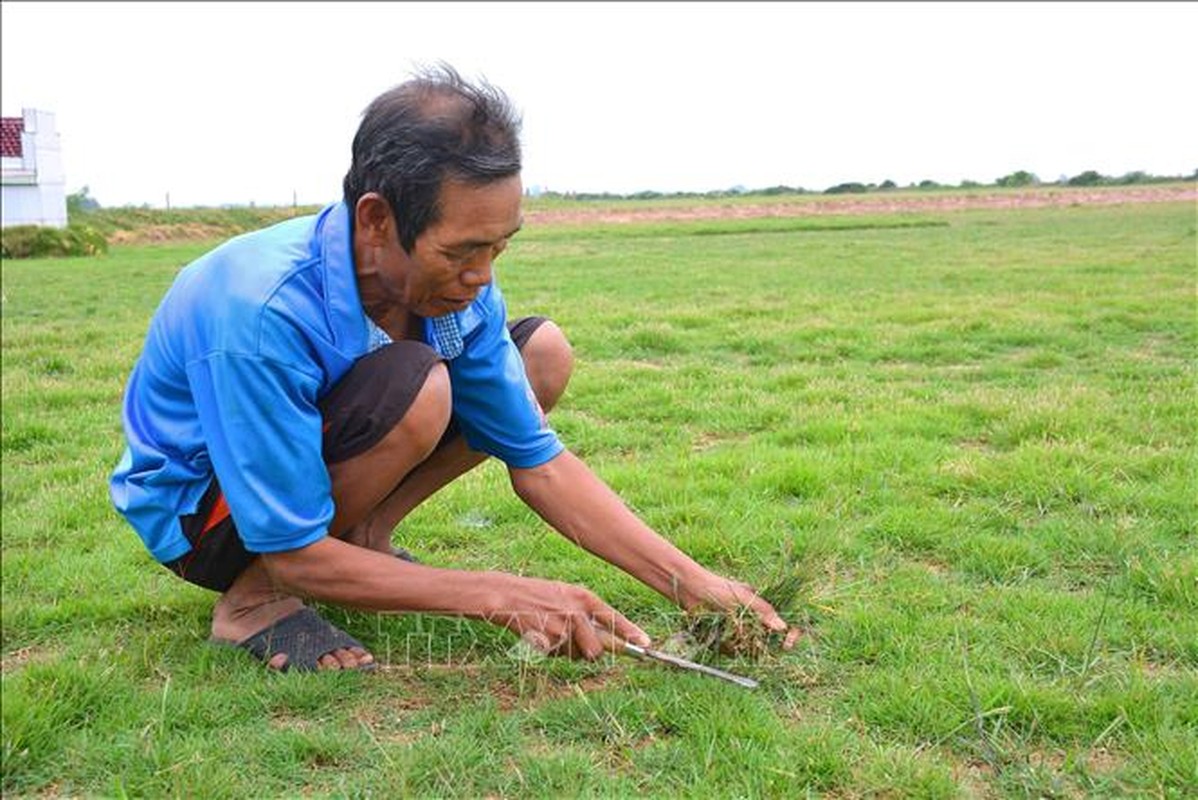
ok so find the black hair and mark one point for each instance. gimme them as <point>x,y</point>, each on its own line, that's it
<point>429,129</point>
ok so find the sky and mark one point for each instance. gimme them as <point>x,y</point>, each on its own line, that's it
<point>238,103</point>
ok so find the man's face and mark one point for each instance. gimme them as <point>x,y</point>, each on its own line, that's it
<point>451,261</point>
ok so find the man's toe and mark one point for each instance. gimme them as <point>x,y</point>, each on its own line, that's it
<point>356,658</point>
<point>346,658</point>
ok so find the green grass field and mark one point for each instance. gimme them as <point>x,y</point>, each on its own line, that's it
<point>972,434</point>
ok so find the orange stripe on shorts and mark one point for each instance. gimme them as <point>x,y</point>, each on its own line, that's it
<point>218,514</point>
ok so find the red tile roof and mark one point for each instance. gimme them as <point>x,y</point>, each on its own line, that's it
<point>10,136</point>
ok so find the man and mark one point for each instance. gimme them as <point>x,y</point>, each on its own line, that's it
<point>303,388</point>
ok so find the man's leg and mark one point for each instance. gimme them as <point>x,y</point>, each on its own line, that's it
<point>548,362</point>
<point>364,469</point>
<point>403,469</point>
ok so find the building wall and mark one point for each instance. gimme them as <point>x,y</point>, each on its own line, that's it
<point>34,186</point>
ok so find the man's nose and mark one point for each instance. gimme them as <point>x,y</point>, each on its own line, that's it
<point>478,271</point>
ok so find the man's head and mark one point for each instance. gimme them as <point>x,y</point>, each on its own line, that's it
<point>430,129</point>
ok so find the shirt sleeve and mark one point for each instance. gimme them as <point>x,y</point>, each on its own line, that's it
<point>492,399</point>
<point>263,431</point>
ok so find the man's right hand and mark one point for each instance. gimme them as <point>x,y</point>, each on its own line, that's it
<point>563,619</point>
<point>556,618</point>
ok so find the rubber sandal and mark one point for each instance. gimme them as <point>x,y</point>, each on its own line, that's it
<point>304,636</point>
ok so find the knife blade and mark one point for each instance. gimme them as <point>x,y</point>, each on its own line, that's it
<point>666,658</point>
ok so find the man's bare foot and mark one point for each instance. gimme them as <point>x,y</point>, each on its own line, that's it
<point>252,605</point>
<point>299,638</point>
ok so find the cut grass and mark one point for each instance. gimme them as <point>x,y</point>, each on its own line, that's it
<point>973,439</point>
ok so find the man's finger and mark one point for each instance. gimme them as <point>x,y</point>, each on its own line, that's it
<point>608,619</point>
<point>611,642</point>
<point>588,640</point>
<point>767,614</point>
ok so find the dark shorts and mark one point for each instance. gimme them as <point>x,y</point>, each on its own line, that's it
<point>358,412</point>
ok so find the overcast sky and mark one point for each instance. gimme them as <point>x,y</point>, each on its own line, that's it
<point>239,102</point>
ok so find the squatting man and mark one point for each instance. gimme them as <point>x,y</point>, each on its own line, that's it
<point>304,387</point>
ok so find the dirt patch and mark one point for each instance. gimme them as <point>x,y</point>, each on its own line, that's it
<point>11,662</point>
<point>706,441</point>
<point>511,697</point>
<point>1103,761</point>
<point>1158,669</point>
<point>974,779</point>
<point>189,231</point>
<point>869,204</point>
<point>288,721</point>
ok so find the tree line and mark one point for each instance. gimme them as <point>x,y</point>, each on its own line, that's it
<point>1017,179</point>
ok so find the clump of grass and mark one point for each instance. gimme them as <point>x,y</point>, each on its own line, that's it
<point>739,632</point>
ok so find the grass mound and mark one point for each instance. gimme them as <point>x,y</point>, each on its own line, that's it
<point>36,241</point>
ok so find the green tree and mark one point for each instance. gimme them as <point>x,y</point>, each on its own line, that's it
<point>1018,178</point>
<point>81,202</point>
<point>1088,178</point>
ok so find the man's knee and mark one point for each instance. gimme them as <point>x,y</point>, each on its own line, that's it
<point>429,414</point>
<point>403,387</point>
<point>548,362</point>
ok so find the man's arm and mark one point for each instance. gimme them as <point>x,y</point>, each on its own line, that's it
<point>575,501</point>
<point>560,617</point>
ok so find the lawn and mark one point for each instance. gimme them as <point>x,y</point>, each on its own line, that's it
<point>972,434</point>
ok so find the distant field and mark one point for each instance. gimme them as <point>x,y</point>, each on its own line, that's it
<point>143,225</point>
<point>556,210</point>
<point>971,432</point>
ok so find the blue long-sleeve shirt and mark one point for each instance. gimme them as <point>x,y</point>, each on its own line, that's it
<point>238,355</point>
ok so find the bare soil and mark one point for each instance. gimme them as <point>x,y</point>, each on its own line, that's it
<point>184,232</point>
<point>877,203</point>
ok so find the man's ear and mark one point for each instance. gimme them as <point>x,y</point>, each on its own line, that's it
<point>373,222</point>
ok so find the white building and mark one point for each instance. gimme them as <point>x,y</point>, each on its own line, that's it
<point>32,179</point>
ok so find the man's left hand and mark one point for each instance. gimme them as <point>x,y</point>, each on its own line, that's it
<point>725,594</point>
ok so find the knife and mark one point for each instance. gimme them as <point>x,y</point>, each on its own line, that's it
<point>657,655</point>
